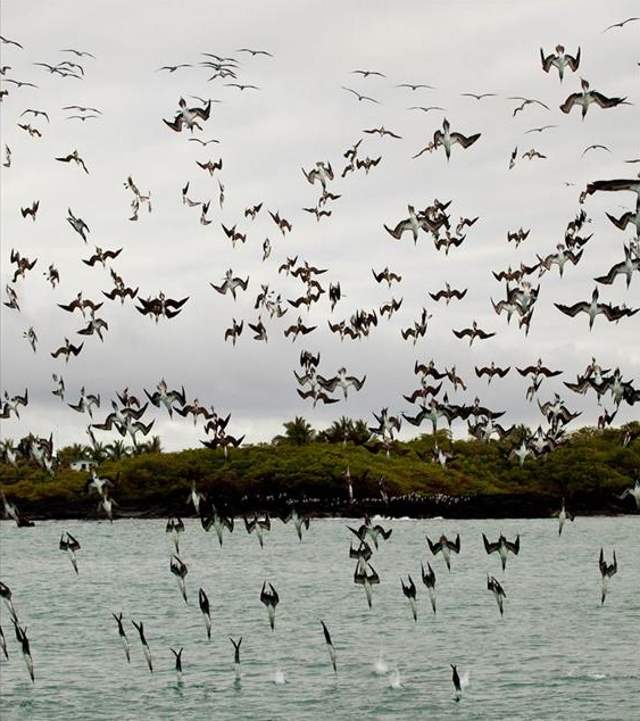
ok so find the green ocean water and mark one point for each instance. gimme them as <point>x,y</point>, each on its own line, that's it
<point>556,654</point>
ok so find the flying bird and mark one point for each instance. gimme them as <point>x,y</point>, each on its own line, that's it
<point>621,24</point>
<point>359,96</point>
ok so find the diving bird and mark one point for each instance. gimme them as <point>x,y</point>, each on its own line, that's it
<point>448,293</point>
<point>123,636</point>
<point>231,284</point>
<point>502,547</point>
<point>175,526</point>
<point>270,598</point>
<point>78,225</point>
<point>5,592</point>
<point>445,546</point>
<point>429,580</point>
<point>633,492</point>
<point>330,647</point>
<point>626,268</point>
<point>341,380</point>
<point>594,308</point>
<point>203,602</point>
<point>259,525</point>
<point>560,60</point>
<point>472,333</point>
<point>67,350</point>
<point>188,117</point>
<point>607,570</point>
<point>413,224</point>
<point>145,646</point>
<point>499,594</point>
<point>446,139</point>
<point>234,332</point>
<point>533,153</point>
<point>300,521</point>
<point>236,655</point>
<point>166,398</point>
<point>563,516</point>
<point>179,570</point>
<point>409,591</point>
<point>3,644</point>
<point>71,545</point>
<point>106,505</point>
<point>491,371</point>
<point>366,576</point>
<point>31,210</point>
<point>210,166</point>
<point>75,156</point>
<point>587,97</point>
<point>281,222</point>
<point>178,657</point>
<point>21,636</point>
<point>455,679</point>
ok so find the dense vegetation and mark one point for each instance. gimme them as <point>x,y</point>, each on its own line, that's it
<point>590,470</point>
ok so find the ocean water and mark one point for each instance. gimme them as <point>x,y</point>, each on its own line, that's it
<point>556,653</point>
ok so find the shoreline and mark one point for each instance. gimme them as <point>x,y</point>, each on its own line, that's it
<point>502,506</point>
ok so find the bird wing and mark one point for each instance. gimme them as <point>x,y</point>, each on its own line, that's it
<point>604,102</point>
<point>463,140</point>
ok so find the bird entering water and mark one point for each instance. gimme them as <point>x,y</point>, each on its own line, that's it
<point>607,570</point>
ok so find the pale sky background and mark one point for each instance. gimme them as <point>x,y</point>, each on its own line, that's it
<point>299,116</point>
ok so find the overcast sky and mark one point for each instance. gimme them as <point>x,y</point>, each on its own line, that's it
<point>301,115</point>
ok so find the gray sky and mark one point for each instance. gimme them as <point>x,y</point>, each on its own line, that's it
<point>299,116</point>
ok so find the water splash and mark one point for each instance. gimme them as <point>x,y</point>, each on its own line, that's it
<point>380,666</point>
<point>394,679</point>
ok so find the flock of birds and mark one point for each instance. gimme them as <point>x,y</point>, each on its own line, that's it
<point>436,221</point>
<point>366,540</point>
